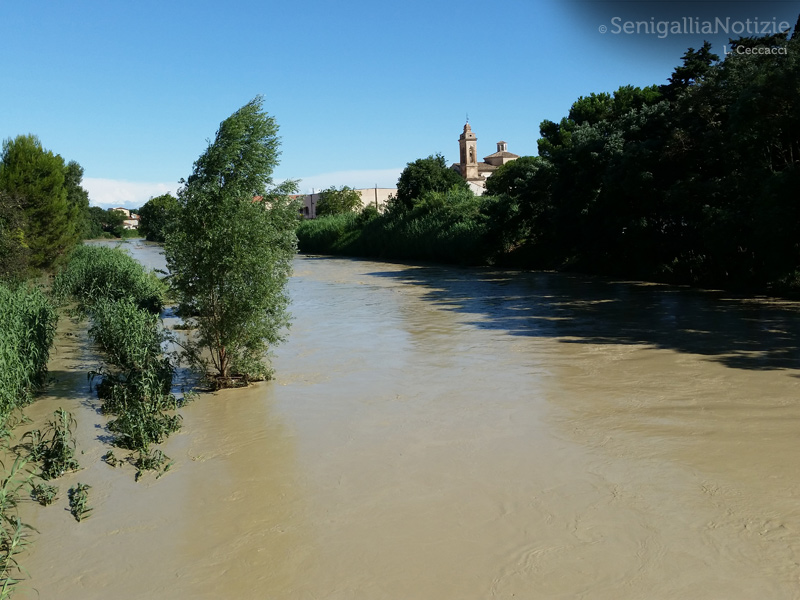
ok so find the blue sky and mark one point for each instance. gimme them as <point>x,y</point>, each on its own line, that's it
<point>132,90</point>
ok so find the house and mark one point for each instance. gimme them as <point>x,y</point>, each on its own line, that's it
<point>131,219</point>
<point>477,172</point>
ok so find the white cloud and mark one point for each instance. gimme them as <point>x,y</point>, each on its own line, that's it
<point>384,178</point>
<point>109,193</point>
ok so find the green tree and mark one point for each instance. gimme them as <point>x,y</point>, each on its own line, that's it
<point>38,178</point>
<point>77,198</point>
<point>425,175</point>
<point>156,215</point>
<point>231,246</point>
<point>13,249</point>
<point>342,200</point>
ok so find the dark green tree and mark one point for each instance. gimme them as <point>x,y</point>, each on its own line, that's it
<point>37,178</point>
<point>231,246</point>
<point>14,250</point>
<point>425,175</point>
<point>334,201</point>
<point>77,198</point>
<point>156,216</point>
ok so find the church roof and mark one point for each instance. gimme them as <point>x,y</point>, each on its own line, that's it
<point>502,154</point>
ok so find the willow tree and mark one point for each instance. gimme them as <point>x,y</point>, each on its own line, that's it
<point>230,248</point>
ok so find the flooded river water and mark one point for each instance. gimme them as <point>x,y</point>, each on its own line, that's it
<point>437,433</point>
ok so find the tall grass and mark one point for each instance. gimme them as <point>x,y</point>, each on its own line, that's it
<point>95,273</point>
<point>14,534</point>
<point>27,329</point>
<point>443,227</point>
<point>123,301</point>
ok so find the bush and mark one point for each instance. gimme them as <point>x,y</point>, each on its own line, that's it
<point>27,328</point>
<point>93,273</point>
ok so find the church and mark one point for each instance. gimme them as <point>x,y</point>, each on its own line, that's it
<point>474,171</point>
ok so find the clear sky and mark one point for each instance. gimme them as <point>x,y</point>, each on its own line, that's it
<point>132,90</point>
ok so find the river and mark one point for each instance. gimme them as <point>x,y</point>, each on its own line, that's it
<point>436,432</point>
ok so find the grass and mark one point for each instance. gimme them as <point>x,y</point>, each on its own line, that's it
<point>123,301</point>
<point>445,227</point>
<point>27,329</point>
<point>53,447</point>
<point>14,534</point>
<point>93,273</point>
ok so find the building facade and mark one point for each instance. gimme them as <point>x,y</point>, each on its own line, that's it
<point>377,197</point>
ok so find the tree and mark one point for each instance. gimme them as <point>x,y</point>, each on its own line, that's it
<point>230,249</point>
<point>156,215</point>
<point>77,198</point>
<point>37,178</point>
<point>334,201</point>
<point>425,175</point>
<point>13,249</point>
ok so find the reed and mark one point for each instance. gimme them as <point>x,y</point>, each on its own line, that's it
<point>14,534</point>
<point>54,446</point>
<point>28,324</point>
<point>93,273</point>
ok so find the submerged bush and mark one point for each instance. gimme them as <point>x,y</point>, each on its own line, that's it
<point>95,273</point>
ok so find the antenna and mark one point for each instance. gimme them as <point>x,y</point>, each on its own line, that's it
<point>468,118</point>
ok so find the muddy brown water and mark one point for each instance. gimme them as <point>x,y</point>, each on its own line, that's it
<point>437,432</point>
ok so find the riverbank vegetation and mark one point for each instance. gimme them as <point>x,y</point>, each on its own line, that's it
<point>693,181</point>
<point>230,239</point>
<point>123,303</point>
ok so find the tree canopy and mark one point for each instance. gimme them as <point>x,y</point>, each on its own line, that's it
<point>425,175</point>
<point>156,216</point>
<point>334,201</point>
<point>46,193</point>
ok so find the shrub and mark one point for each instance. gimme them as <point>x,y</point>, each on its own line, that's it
<point>27,328</point>
<point>93,273</point>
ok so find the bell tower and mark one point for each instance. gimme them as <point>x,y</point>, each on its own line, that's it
<point>468,144</point>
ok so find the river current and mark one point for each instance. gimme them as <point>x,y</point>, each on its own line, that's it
<point>435,432</point>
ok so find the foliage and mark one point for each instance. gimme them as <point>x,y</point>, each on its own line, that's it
<point>27,329</point>
<point>156,216</point>
<point>122,301</point>
<point>152,461</point>
<point>93,273</point>
<point>334,201</point>
<point>44,494</point>
<point>79,501</point>
<point>104,223</point>
<point>54,447</point>
<point>48,196</point>
<point>424,175</point>
<point>14,251</point>
<point>444,226</point>
<point>14,534</point>
<point>230,251</point>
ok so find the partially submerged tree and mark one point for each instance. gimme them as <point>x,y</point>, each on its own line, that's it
<point>230,249</point>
